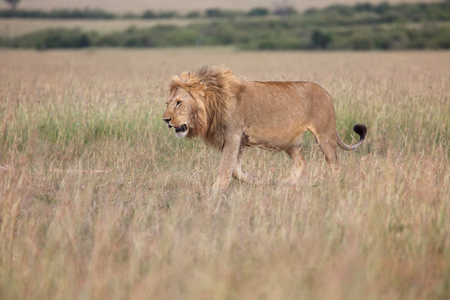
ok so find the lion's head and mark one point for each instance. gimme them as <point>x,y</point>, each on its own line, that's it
<point>198,103</point>
<point>180,112</point>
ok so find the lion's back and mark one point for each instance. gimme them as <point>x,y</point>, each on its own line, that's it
<point>279,101</point>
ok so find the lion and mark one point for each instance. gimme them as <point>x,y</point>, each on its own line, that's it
<point>230,113</point>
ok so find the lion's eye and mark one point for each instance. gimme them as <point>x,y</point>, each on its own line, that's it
<point>178,102</point>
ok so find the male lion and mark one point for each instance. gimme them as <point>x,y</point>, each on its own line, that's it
<point>230,113</point>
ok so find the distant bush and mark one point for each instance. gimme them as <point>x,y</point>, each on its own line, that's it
<point>168,15</point>
<point>214,13</point>
<point>58,14</point>
<point>258,12</point>
<point>82,14</point>
<point>220,13</point>
<point>193,15</point>
<point>320,40</point>
<point>150,14</point>
<point>53,38</point>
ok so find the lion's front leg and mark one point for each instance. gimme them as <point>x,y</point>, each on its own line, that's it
<point>227,163</point>
<point>240,175</point>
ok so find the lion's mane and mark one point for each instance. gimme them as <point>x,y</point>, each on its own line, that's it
<point>214,90</point>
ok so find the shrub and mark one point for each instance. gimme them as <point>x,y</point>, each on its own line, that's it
<point>320,39</point>
<point>214,13</point>
<point>193,15</point>
<point>54,38</point>
<point>59,14</point>
<point>149,14</point>
<point>258,12</point>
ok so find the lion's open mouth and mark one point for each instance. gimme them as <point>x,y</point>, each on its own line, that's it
<point>182,128</point>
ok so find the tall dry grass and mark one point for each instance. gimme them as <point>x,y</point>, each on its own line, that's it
<point>100,201</point>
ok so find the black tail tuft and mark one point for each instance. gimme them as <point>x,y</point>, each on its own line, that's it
<point>361,130</point>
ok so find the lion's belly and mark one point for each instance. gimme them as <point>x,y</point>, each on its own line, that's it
<point>273,138</point>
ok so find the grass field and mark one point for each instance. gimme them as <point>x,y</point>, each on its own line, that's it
<point>99,200</point>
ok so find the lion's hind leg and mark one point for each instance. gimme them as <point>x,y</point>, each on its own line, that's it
<point>329,146</point>
<point>295,153</point>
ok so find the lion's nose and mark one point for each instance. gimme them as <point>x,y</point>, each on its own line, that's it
<point>167,120</point>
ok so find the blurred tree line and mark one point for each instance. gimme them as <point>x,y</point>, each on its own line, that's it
<point>88,13</point>
<point>337,14</point>
<point>362,26</point>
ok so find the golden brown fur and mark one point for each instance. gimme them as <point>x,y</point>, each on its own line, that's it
<point>230,113</point>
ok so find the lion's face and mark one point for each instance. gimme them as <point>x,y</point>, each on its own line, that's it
<point>179,112</point>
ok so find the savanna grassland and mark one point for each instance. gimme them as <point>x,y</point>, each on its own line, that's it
<point>99,200</point>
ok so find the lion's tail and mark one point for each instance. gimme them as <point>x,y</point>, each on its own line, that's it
<point>361,130</point>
